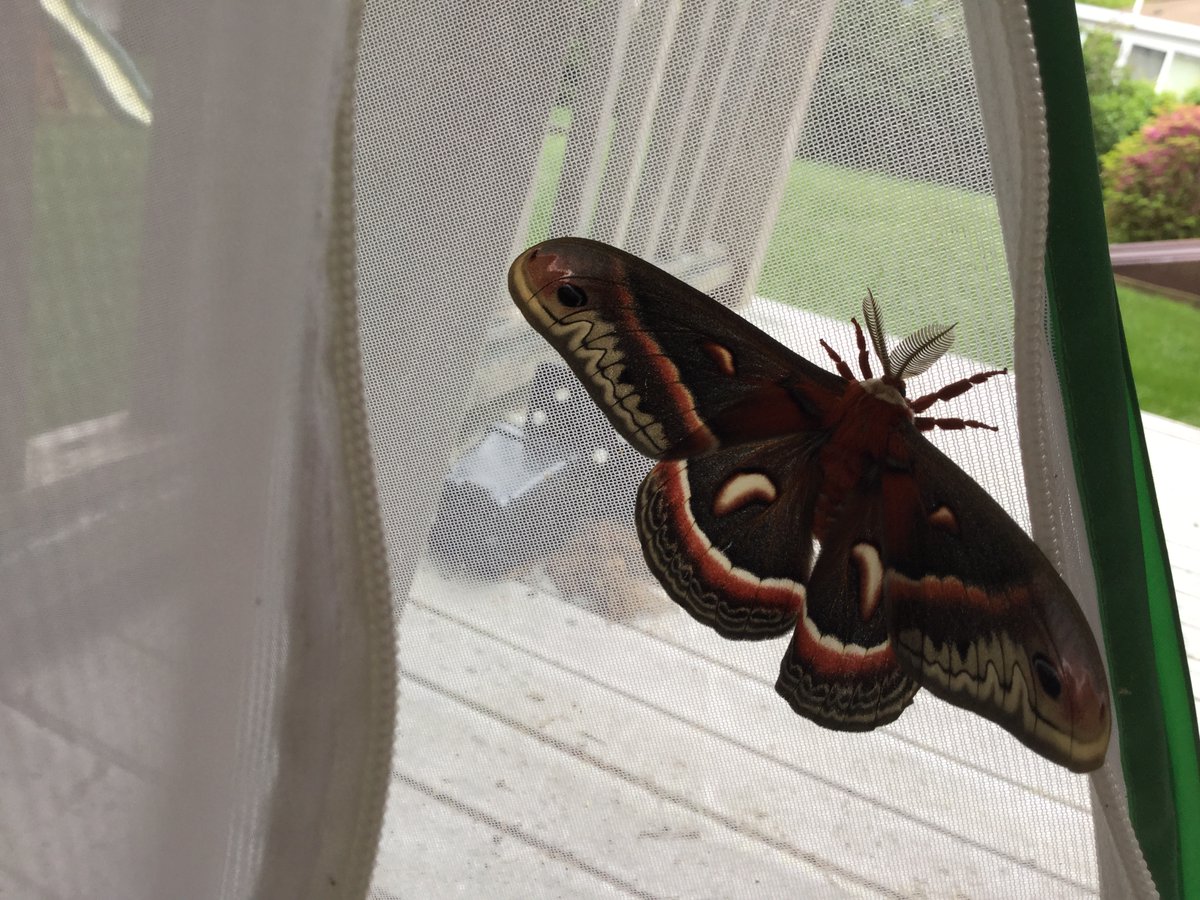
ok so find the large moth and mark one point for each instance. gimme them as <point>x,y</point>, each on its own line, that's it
<point>921,579</point>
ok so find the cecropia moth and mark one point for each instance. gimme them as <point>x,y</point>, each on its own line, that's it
<point>921,578</point>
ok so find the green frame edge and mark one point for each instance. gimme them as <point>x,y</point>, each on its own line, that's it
<point>1160,750</point>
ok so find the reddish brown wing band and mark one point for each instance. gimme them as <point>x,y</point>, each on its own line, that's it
<point>921,578</point>
<point>981,619</point>
<point>676,373</point>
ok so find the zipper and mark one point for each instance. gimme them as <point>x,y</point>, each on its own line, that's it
<point>1033,360</point>
<point>373,578</point>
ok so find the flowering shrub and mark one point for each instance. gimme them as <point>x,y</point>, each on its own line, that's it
<point>1152,180</point>
<point>1120,103</point>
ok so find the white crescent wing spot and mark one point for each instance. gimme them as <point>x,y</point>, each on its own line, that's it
<point>870,579</point>
<point>741,490</point>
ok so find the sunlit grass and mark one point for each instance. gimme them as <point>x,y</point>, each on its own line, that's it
<point>822,255</point>
<point>1163,337</point>
<point>86,245</point>
<point>929,252</point>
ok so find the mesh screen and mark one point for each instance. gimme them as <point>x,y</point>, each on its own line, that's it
<point>564,728</point>
<point>185,700</point>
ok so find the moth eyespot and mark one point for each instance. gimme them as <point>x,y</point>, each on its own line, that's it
<point>571,296</point>
<point>1047,676</point>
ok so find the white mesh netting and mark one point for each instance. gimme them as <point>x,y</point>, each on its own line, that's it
<point>196,646</point>
<point>564,729</point>
<point>191,696</point>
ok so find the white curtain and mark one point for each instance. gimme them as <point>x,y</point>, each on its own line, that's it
<point>209,209</point>
<point>193,703</point>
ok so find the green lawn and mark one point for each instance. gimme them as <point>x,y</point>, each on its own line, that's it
<point>549,169</point>
<point>1163,337</point>
<point>86,246</point>
<point>837,234</point>
<point>88,201</point>
<point>827,209</point>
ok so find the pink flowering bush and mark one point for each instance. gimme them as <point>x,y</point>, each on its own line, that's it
<point>1152,180</point>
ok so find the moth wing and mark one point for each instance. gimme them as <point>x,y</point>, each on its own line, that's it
<point>728,534</point>
<point>980,617</point>
<point>677,373</point>
<point>840,670</point>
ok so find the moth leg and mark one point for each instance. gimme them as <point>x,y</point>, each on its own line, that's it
<point>925,423</point>
<point>843,369</point>
<point>953,390</point>
<point>863,361</point>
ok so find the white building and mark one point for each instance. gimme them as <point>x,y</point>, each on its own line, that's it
<point>1164,51</point>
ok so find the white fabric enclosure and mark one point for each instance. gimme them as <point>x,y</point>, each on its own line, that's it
<point>180,525</point>
<point>225,546</point>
